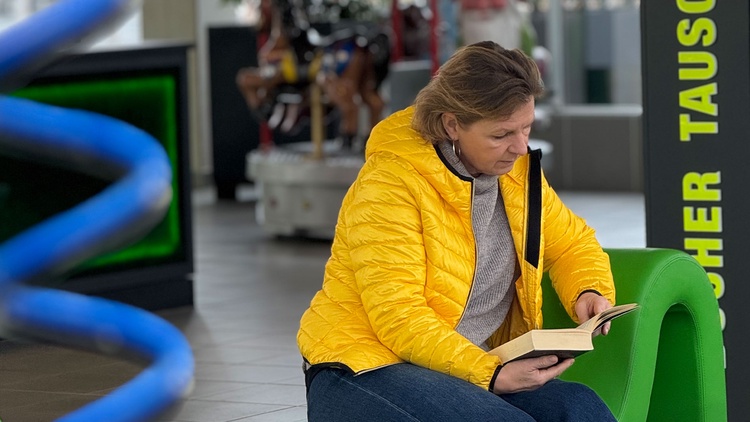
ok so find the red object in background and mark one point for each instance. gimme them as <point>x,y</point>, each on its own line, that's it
<point>434,28</point>
<point>431,43</point>
<point>398,38</point>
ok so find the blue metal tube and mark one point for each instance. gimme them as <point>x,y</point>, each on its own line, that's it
<point>54,29</point>
<point>119,328</point>
<point>135,202</point>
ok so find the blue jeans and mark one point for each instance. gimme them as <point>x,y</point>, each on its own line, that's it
<point>407,392</point>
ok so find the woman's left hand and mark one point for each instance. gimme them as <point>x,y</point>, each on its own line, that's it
<point>590,304</point>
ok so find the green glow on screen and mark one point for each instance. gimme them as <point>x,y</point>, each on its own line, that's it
<point>147,102</point>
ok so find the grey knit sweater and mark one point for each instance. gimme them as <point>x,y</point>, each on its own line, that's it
<point>496,269</point>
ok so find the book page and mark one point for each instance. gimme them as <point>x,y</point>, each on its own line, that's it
<point>600,319</point>
<point>563,342</point>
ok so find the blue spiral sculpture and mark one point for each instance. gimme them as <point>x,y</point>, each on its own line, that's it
<point>122,212</point>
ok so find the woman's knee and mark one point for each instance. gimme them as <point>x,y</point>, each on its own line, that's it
<point>582,403</point>
<point>562,401</point>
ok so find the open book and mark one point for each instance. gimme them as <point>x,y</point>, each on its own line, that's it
<point>563,342</point>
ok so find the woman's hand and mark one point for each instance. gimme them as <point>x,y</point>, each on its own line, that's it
<point>528,374</point>
<point>590,304</point>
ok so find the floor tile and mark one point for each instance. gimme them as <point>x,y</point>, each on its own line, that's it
<point>206,388</point>
<point>210,411</point>
<point>292,414</point>
<point>263,394</point>
<point>245,373</point>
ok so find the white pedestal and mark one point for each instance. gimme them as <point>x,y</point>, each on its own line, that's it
<point>299,195</point>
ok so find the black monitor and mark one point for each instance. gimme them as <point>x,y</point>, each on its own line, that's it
<point>146,87</point>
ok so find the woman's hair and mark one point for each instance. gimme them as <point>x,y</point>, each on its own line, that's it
<point>480,81</point>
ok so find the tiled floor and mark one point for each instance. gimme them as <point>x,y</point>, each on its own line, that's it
<point>250,291</point>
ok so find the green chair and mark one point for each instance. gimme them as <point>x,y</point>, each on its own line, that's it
<point>665,361</point>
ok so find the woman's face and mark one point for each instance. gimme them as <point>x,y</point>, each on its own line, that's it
<point>492,146</point>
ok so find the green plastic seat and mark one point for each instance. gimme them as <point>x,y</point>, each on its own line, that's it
<point>665,361</point>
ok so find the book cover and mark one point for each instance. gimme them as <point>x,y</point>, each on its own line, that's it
<point>563,342</point>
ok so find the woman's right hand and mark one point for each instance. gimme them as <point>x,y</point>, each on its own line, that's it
<point>528,374</point>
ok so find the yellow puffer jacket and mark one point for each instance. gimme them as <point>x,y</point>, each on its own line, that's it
<point>403,261</point>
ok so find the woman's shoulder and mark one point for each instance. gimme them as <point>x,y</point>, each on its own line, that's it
<point>394,133</point>
<point>387,168</point>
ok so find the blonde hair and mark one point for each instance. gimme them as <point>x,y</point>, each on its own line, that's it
<point>480,81</point>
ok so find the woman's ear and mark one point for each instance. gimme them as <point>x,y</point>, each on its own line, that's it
<point>450,124</point>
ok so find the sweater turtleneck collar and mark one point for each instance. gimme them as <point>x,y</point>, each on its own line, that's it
<point>482,183</point>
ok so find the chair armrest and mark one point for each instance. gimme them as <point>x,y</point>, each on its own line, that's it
<point>666,360</point>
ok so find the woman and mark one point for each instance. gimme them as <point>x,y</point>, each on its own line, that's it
<point>439,250</point>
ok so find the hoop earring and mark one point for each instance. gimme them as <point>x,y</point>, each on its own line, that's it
<point>456,148</point>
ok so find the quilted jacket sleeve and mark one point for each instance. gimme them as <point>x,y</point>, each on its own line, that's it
<point>389,261</point>
<point>572,255</point>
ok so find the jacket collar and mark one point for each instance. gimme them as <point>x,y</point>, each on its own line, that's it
<point>395,135</point>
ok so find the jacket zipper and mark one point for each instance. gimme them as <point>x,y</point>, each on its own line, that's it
<point>474,275</point>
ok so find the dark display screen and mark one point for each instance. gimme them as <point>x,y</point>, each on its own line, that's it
<point>33,189</point>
